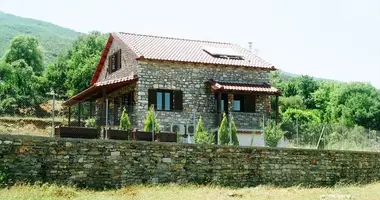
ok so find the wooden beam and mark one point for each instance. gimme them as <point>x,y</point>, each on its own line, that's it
<point>79,113</point>
<point>68,124</point>
<point>104,92</point>
<point>219,107</point>
<point>277,109</point>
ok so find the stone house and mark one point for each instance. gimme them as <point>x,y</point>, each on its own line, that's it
<point>183,79</point>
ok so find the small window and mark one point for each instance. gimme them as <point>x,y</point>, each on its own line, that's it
<point>167,100</point>
<point>237,105</point>
<point>114,62</point>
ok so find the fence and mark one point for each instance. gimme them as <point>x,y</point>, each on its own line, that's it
<point>331,136</point>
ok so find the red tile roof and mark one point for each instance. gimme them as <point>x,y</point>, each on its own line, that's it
<point>243,87</point>
<point>186,50</point>
<point>95,91</point>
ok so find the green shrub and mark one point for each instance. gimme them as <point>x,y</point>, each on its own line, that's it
<point>201,134</point>
<point>272,134</point>
<point>151,120</point>
<point>125,124</point>
<point>3,177</point>
<point>90,123</point>
<point>223,135</point>
<point>235,140</point>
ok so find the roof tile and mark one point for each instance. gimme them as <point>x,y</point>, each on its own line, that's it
<point>186,50</point>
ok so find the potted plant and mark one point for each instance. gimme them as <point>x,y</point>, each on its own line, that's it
<point>124,129</point>
<point>151,126</point>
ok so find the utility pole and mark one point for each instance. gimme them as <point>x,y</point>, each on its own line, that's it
<point>52,111</point>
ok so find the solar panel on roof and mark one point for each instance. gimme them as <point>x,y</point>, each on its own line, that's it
<point>222,51</point>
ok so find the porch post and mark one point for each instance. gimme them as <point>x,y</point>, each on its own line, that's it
<point>219,108</point>
<point>104,106</point>
<point>68,124</point>
<point>91,109</point>
<point>79,113</point>
<point>277,110</point>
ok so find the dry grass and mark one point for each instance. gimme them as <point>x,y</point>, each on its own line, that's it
<point>174,192</point>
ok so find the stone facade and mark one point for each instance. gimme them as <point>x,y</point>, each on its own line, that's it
<point>110,164</point>
<point>198,98</point>
<point>128,62</point>
<point>197,95</point>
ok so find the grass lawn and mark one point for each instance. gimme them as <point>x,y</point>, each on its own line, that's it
<point>174,192</point>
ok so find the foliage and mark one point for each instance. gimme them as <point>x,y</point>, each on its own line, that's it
<point>81,61</point>
<point>151,120</point>
<point>273,134</point>
<point>291,102</point>
<point>125,124</point>
<point>26,48</point>
<point>53,38</point>
<point>223,134</point>
<point>90,123</point>
<point>233,132</point>
<point>201,134</point>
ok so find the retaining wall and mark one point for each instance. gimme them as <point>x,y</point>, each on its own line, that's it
<point>107,163</point>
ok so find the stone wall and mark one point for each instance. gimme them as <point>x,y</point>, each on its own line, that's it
<point>102,163</point>
<point>197,96</point>
<point>128,62</point>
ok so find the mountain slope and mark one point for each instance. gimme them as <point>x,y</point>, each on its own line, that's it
<point>53,38</point>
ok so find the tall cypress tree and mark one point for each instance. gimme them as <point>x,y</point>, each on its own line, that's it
<point>223,135</point>
<point>235,140</point>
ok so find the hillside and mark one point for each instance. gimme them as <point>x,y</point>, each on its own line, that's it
<point>53,38</point>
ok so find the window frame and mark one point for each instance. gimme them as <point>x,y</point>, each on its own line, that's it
<point>114,62</point>
<point>173,107</point>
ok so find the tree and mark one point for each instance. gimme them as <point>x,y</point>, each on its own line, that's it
<point>151,120</point>
<point>27,48</point>
<point>56,76</point>
<point>125,124</point>
<point>82,60</point>
<point>272,134</point>
<point>235,140</point>
<point>201,134</point>
<point>291,102</point>
<point>357,103</point>
<point>306,87</point>
<point>223,134</point>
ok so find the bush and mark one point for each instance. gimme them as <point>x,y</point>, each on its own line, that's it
<point>201,134</point>
<point>235,140</point>
<point>3,177</point>
<point>125,124</point>
<point>272,134</point>
<point>223,135</point>
<point>90,123</point>
<point>151,120</point>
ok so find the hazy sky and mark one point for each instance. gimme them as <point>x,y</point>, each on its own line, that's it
<point>336,39</point>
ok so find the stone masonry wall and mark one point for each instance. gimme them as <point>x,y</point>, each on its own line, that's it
<point>128,62</point>
<point>105,164</point>
<point>197,97</point>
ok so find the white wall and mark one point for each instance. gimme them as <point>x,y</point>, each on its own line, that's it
<point>251,139</point>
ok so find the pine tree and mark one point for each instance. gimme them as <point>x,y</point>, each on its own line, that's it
<point>201,134</point>
<point>223,135</point>
<point>235,140</point>
<point>125,124</point>
<point>151,120</point>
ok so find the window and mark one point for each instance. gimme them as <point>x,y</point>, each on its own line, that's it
<point>114,62</point>
<point>167,100</point>
<point>244,103</point>
<point>241,103</point>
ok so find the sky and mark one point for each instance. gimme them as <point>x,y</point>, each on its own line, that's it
<point>333,39</point>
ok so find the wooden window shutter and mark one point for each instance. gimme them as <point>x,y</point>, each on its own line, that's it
<point>119,61</point>
<point>110,64</point>
<point>178,100</point>
<point>152,98</point>
<point>250,103</point>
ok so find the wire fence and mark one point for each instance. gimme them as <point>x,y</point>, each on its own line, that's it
<point>331,136</point>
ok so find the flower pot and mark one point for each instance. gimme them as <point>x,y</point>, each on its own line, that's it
<point>142,136</point>
<point>166,137</point>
